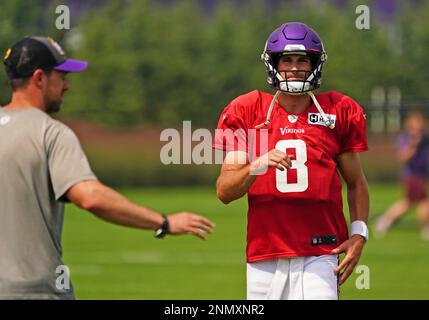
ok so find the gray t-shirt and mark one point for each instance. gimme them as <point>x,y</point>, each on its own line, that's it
<point>40,159</point>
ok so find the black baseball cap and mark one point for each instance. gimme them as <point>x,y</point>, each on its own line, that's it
<point>31,53</point>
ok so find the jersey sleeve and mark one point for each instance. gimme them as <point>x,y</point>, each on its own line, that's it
<point>354,133</point>
<point>67,161</point>
<point>232,129</point>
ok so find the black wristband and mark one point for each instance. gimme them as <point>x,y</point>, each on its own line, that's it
<point>163,231</point>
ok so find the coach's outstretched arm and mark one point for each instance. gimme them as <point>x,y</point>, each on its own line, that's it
<point>358,201</point>
<point>111,206</point>
<point>237,176</point>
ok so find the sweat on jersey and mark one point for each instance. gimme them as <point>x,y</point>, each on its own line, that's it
<point>299,211</point>
<point>40,159</point>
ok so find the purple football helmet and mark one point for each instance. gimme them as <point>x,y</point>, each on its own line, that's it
<point>294,38</point>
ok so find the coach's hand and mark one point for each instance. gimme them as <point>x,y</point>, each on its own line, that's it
<point>353,249</point>
<point>189,223</point>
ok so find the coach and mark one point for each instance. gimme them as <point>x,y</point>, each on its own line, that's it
<point>42,166</point>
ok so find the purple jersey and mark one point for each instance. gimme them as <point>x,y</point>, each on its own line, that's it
<point>418,165</point>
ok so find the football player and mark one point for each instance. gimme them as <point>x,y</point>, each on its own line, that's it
<point>296,226</point>
<point>413,153</point>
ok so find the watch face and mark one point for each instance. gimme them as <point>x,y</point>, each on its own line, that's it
<point>159,233</point>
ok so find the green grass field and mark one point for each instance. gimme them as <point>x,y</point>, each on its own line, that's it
<point>111,262</point>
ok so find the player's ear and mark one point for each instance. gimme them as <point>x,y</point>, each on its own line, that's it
<point>37,78</point>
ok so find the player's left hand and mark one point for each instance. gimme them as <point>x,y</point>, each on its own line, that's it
<point>353,249</point>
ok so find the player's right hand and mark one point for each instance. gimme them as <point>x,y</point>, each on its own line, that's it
<point>273,158</point>
<point>189,223</point>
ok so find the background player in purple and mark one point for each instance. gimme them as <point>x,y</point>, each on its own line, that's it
<point>413,153</point>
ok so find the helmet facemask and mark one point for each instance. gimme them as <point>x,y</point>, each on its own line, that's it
<point>311,80</point>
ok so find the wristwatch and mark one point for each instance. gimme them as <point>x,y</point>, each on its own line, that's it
<point>163,230</point>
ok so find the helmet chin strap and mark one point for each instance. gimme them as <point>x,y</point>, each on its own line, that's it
<point>328,122</point>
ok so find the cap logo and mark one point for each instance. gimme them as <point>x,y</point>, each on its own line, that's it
<point>7,55</point>
<point>56,46</point>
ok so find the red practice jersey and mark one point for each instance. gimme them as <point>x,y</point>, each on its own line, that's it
<point>299,211</point>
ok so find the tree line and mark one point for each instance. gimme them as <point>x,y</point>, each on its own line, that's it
<point>155,64</point>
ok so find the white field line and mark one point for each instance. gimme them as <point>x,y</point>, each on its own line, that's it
<point>101,258</point>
